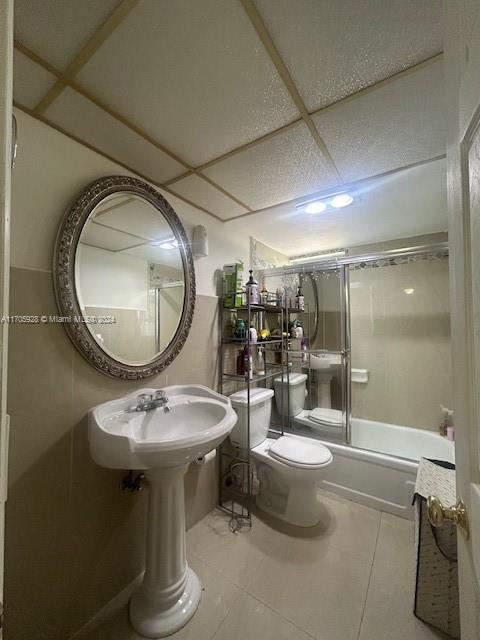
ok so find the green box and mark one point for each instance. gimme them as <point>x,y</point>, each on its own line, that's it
<point>232,285</point>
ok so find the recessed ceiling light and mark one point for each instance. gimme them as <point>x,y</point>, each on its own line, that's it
<point>342,200</point>
<point>315,207</point>
<point>333,201</point>
<point>166,244</point>
<point>409,291</point>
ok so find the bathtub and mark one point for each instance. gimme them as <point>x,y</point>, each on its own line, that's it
<point>383,478</point>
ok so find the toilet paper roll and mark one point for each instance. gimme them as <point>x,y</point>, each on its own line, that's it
<point>208,457</point>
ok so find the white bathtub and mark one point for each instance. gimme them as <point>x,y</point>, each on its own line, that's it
<point>403,442</point>
<point>383,480</point>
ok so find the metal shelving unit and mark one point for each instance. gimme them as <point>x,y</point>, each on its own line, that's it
<point>236,471</point>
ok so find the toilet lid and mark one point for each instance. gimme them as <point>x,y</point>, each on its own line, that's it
<point>298,452</point>
<point>327,416</point>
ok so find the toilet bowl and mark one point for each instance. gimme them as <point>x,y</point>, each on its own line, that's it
<point>288,467</point>
<point>290,403</point>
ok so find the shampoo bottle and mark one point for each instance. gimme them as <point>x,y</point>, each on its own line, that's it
<point>248,363</point>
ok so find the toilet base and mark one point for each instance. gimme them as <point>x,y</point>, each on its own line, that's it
<point>300,506</point>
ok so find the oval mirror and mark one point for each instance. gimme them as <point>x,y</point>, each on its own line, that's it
<point>124,278</point>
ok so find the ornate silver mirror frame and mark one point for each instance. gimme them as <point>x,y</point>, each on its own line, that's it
<point>64,277</point>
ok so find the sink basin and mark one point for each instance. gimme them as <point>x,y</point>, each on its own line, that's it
<point>163,442</point>
<point>323,361</point>
<point>122,438</point>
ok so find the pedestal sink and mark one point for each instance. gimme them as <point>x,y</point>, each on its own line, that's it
<point>163,441</point>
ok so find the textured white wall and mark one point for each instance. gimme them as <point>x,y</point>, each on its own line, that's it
<point>42,169</point>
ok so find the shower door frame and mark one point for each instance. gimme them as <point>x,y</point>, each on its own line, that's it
<point>348,261</point>
<point>343,266</point>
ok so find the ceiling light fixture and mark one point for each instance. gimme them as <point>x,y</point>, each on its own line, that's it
<point>409,291</point>
<point>333,201</point>
<point>342,200</point>
<point>315,207</point>
<point>169,244</point>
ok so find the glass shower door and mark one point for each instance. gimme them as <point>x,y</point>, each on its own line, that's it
<point>400,350</point>
<point>321,357</point>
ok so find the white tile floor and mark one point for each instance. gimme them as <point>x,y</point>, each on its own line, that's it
<point>352,578</point>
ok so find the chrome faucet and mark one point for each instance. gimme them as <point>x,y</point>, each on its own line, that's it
<point>148,401</point>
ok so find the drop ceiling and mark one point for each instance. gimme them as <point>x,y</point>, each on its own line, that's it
<point>129,226</point>
<point>238,106</point>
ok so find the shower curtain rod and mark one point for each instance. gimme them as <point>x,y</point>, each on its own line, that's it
<point>441,247</point>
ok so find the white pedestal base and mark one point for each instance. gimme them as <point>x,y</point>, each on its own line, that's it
<point>170,592</point>
<point>149,621</point>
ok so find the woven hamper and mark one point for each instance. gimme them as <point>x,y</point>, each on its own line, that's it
<point>436,592</point>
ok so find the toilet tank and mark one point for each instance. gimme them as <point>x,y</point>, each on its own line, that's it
<point>296,383</point>
<point>260,412</point>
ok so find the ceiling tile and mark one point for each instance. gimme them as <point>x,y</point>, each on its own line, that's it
<point>395,125</point>
<point>202,193</point>
<point>57,30</point>
<point>171,258</point>
<point>335,48</point>
<point>284,167</point>
<point>96,235</point>
<point>408,203</point>
<point>193,74</point>
<point>134,215</point>
<point>82,118</point>
<point>30,81</point>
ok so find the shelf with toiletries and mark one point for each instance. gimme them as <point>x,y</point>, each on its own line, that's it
<point>243,341</point>
<point>271,308</point>
<point>256,377</point>
<point>253,353</point>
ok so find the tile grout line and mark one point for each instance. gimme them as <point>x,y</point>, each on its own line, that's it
<point>283,617</point>
<point>280,615</point>
<point>235,600</point>
<point>227,579</point>
<point>370,575</point>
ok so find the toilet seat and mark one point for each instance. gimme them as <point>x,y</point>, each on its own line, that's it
<point>300,453</point>
<point>329,417</point>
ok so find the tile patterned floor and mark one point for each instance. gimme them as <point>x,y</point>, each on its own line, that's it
<point>350,578</point>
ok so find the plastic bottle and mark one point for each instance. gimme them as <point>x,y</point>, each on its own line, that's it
<point>304,349</point>
<point>264,295</point>
<point>253,295</point>
<point>240,363</point>
<point>447,423</point>
<point>260,363</point>
<point>300,300</point>
<point>248,363</point>
<point>280,296</point>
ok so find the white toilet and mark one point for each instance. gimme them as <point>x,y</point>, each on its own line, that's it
<point>292,404</point>
<point>288,467</point>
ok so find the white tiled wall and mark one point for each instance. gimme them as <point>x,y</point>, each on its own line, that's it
<point>403,340</point>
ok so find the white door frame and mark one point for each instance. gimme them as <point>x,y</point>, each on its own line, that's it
<point>6,99</point>
<point>463,101</point>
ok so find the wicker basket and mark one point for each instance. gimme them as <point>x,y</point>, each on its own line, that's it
<point>436,592</point>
